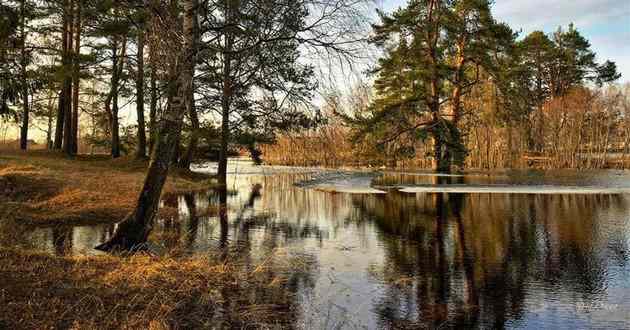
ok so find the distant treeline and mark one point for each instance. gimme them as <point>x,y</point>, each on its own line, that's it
<point>586,128</point>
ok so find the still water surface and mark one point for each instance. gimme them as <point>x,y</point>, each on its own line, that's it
<point>378,257</point>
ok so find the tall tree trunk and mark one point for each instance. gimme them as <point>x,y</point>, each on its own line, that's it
<point>458,81</point>
<point>59,121</point>
<point>51,111</point>
<point>225,136</point>
<point>76,80</point>
<point>223,221</point>
<point>23,64</point>
<point>154,99</point>
<point>132,232</point>
<point>63,98</point>
<point>117,68</point>
<point>441,162</point>
<point>141,150</point>
<point>110,95</point>
<point>226,98</point>
<point>67,84</point>
<point>187,157</point>
<point>510,147</point>
<point>453,131</point>
<point>177,151</point>
<point>115,143</point>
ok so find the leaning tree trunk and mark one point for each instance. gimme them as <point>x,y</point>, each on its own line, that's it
<point>134,230</point>
<point>187,156</point>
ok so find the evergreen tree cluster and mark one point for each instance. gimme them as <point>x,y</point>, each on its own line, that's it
<point>436,52</point>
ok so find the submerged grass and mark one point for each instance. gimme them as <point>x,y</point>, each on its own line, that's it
<point>46,187</point>
<point>39,291</point>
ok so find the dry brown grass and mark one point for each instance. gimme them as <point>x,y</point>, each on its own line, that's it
<point>177,291</point>
<point>46,187</point>
<point>39,291</point>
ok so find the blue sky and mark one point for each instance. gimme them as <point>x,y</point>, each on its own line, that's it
<point>606,23</point>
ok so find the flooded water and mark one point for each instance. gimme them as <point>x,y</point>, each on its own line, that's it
<point>411,250</point>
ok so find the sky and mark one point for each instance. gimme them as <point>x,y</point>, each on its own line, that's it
<point>606,23</point>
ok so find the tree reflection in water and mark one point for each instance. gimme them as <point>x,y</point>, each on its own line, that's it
<point>465,260</point>
<point>62,239</point>
<point>233,228</point>
<point>401,260</point>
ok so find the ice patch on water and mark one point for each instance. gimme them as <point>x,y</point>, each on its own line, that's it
<point>342,182</point>
<point>348,189</point>
<point>426,174</point>
<point>514,189</point>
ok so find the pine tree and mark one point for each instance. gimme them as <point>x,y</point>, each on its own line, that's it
<point>552,66</point>
<point>9,39</point>
<point>17,83</point>
<point>434,52</point>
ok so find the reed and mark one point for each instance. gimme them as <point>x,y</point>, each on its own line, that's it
<point>39,291</point>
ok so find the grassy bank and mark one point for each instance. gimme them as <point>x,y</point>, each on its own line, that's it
<point>48,188</point>
<point>175,291</point>
<point>40,291</point>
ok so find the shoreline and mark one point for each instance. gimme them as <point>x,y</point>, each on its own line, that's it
<point>41,290</point>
